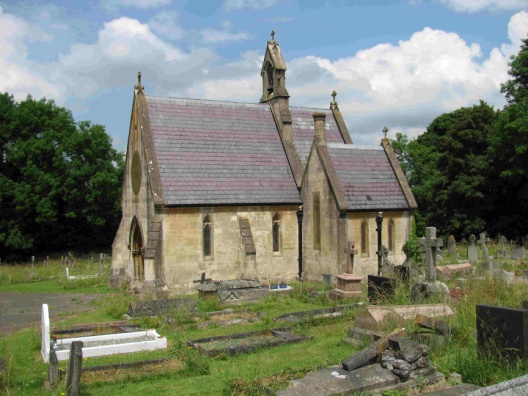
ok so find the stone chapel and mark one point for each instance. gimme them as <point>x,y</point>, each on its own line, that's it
<point>245,190</point>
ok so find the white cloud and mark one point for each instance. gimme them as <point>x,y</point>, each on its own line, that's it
<point>17,74</point>
<point>166,24</point>
<point>517,30</point>
<point>231,5</point>
<point>113,5</point>
<point>279,19</point>
<point>215,36</point>
<point>472,6</point>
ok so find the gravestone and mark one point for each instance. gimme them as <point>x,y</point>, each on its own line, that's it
<point>501,253</point>
<point>45,333</point>
<point>502,330</point>
<point>348,284</point>
<point>53,369</point>
<point>380,287</point>
<point>431,287</point>
<point>485,264</point>
<point>387,268</point>
<point>430,244</point>
<point>518,253</point>
<point>472,250</point>
<point>73,379</point>
<point>451,246</point>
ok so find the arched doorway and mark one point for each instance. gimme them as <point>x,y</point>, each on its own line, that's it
<point>137,252</point>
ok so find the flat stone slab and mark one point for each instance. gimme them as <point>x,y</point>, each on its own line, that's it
<point>332,381</point>
<point>454,269</point>
<point>376,316</point>
<point>240,296</point>
<point>157,307</point>
<point>456,390</point>
<point>232,344</point>
<point>295,317</point>
<point>229,285</point>
<point>514,387</point>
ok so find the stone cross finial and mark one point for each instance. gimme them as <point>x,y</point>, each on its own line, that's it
<point>431,244</point>
<point>139,78</point>
<point>334,94</point>
<point>350,251</point>
<point>273,35</point>
<point>385,130</point>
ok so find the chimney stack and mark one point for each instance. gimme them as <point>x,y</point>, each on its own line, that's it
<point>319,128</point>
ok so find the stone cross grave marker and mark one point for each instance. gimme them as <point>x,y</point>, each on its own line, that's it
<point>202,280</point>
<point>501,253</point>
<point>451,245</point>
<point>350,251</point>
<point>485,265</point>
<point>431,244</point>
<point>472,250</point>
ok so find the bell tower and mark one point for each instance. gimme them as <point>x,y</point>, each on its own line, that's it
<point>273,72</point>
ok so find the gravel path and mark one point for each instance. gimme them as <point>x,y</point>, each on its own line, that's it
<point>21,310</point>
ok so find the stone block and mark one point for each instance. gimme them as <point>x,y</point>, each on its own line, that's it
<point>433,324</point>
<point>448,271</point>
<point>502,331</point>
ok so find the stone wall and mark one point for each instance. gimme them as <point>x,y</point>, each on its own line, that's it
<point>183,259</point>
<point>138,205</point>
<point>366,263</point>
<point>317,262</point>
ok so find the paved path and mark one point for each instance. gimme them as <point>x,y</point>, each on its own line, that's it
<point>20,310</point>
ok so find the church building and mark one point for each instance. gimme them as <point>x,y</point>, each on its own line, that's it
<point>252,190</point>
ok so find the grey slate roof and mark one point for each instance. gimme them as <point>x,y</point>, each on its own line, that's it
<point>214,153</point>
<point>367,178</point>
<point>303,129</point>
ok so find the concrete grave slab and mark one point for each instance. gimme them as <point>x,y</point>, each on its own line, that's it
<point>514,387</point>
<point>454,269</point>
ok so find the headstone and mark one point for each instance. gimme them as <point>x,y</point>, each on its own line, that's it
<point>502,330</point>
<point>73,379</point>
<point>463,242</point>
<point>472,250</point>
<point>380,287</point>
<point>451,246</point>
<point>387,268</point>
<point>518,252</point>
<point>431,244</point>
<point>53,369</point>
<point>485,265</point>
<point>501,253</point>
<point>348,284</point>
<point>45,333</point>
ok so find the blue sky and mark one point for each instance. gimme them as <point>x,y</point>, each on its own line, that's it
<point>393,63</point>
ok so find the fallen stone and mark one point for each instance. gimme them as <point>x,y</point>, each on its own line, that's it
<point>422,291</point>
<point>358,336</point>
<point>410,354</point>
<point>433,324</point>
<point>423,362</point>
<point>515,386</point>
<point>401,364</point>
<point>403,374</point>
<point>447,271</point>
<point>375,317</point>
<point>335,381</point>
<point>370,353</point>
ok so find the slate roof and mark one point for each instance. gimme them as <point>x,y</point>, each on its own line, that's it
<point>303,129</point>
<point>214,153</point>
<point>367,178</point>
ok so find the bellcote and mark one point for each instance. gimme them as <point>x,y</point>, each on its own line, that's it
<point>273,72</point>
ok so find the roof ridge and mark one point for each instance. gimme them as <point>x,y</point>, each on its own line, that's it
<point>353,146</point>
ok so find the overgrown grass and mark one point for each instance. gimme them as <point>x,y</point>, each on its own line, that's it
<point>190,373</point>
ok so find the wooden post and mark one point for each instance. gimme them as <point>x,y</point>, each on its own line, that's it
<point>73,380</point>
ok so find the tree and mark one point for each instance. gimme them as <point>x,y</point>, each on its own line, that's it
<point>509,145</point>
<point>447,170</point>
<point>62,180</point>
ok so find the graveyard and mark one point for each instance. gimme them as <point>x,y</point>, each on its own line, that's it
<point>464,326</point>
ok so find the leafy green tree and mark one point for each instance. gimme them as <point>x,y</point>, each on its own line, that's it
<point>62,179</point>
<point>509,145</point>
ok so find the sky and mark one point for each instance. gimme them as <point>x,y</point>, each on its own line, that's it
<point>393,63</point>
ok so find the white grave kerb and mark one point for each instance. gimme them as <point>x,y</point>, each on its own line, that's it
<point>45,330</point>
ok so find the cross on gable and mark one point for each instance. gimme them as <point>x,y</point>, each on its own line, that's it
<point>334,94</point>
<point>430,244</point>
<point>202,280</point>
<point>350,256</point>
<point>273,35</point>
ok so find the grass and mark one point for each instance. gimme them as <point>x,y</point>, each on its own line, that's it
<point>190,373</point>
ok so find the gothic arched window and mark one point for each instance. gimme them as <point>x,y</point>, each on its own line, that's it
<point>391,232</point>
<point>364,238</point>
<point>276,233</point>
<point>207,228</point>
<point>316,222</point>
